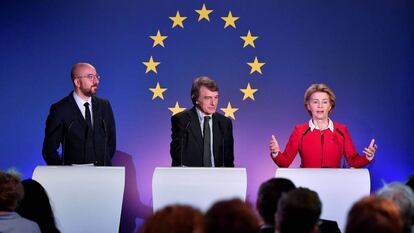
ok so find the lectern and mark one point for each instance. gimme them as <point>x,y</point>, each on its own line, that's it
<point>198,187</point>
<point>84,198</point>
<point>338,189</point>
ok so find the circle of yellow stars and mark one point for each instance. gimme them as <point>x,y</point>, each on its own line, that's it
<point>204,15</point>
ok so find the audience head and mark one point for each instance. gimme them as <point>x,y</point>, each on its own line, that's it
<point>11,191</point>
<point>268,197</point>
<point>231,216</point>
<point>298,211</point>
<point>403,197</point>
<point>174,219</point>
<point>374,215</point>
<point>410,182</point>
<point>35,206</point>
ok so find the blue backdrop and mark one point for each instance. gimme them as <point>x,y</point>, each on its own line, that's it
<point>363,50</point>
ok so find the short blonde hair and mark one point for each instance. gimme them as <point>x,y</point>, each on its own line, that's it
<point>319,87</point>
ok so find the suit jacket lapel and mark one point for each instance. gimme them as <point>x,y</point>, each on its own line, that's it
<point>195,127</point>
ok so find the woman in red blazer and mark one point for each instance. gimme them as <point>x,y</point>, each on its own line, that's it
<point>320,142</point>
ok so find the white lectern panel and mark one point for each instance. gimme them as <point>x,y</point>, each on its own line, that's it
<point>338,189</point>
<point>198,187</point>
<point>84,198</point>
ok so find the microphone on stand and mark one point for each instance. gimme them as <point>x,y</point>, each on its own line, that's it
<point>340,132</point>
<point>64,142</point>
<point>303,135</point>
<point>182,143</point>
<point>322,143</point>
<point>222,139</point>
<point>105,141</point>
<point>343,136</point>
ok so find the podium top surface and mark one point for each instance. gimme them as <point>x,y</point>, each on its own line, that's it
<point>201,168</point>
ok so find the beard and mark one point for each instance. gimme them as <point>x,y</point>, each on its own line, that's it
<point>90,91</point>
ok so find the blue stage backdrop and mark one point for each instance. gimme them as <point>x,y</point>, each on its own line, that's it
<point>363,50</point>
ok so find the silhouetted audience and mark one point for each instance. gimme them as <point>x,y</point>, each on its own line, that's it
<point>328,226</point>
<point>11,193</point>
<point>298,211</point>
<point>410,182</point>
<point>403,197</point>
<point>36,206</point>
<point>174,219</point>
<point>374,215</point>
<point>231,216</point>
<point>267,199</point>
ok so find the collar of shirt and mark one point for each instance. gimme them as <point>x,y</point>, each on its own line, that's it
<point>201,116</point>
<point>265,226</point>
<point>312,126</point>
<point>9,215</point>
<point>80,102</point>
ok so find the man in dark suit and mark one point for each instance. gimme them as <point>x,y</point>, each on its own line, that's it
<point>201,137</point>
<point>81,123</point>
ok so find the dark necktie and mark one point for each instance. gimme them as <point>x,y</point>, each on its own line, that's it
<point>88,118</point>
<point>207,143</point>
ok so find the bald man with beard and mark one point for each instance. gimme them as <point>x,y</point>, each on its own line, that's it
<point>82,124</point>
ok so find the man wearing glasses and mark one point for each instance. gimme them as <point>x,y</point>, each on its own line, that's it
<point>81,124</point>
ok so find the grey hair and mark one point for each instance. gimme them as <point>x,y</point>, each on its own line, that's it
<point>402,196</point>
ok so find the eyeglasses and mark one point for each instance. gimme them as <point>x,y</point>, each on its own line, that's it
<point>91,77</point>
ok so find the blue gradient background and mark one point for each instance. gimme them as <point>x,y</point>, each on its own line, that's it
<point>363,50</point>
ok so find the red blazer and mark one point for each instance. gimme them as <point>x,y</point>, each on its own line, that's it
<point>320,149</point>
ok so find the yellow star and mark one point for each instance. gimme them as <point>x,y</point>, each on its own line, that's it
<point>249,39</point>
<point>203,13</point>
<point>230,20</point>
<point>229,111</point>
<point>151,65</point>
<point>248,92</point>
<point>178,20</point>
<point>176,109</point>
<point>158,91</point>
<point>158,39</point>
<point>256,66</point>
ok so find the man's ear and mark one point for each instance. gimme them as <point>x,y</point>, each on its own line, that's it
<point>76,82</point>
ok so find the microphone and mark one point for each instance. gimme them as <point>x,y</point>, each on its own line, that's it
<point>301,139</point>
<point>340,132</point>
<point>182,143</point>
<point>222,140</point>
<point>64,141</point>
<point>105,140</point>
<point>343,136</point>
<point>322,143</point>
<point>306,131</point>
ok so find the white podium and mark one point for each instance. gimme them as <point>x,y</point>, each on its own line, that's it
<point>84,198</point>
<point>198,187</point>
<point>338,189</point>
